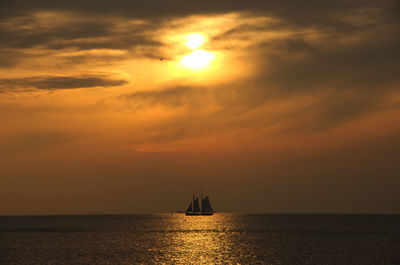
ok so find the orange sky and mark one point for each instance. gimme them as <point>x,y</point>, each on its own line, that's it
<point>270,107</point>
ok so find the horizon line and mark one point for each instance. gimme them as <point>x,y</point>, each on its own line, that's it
<point>222,212</point>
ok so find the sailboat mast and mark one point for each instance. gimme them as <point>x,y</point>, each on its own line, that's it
<point>202,202</point>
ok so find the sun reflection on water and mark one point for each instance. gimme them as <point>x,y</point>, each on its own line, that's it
<point>197,239</point>
<point>201,240</point>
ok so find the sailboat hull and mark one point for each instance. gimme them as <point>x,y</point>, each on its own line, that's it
<point>198,214</point>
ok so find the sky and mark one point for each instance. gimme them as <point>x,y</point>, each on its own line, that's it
<point>270,106</point>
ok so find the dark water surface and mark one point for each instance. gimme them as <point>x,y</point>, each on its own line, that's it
<point>222,238</point>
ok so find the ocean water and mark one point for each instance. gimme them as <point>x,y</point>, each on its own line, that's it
<point>217,239</point>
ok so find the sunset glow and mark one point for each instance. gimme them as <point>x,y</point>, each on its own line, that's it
<point>194,41</point>
<point>130,102</point>
<point>198,59</point>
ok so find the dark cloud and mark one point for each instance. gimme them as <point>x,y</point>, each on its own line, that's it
<point>25,38</point>
<point>299,11</point>
<point>59,82</point>
<point>367,64</point>
<point>97,33</point>
<point>94,26</point>
<point>139,46</point>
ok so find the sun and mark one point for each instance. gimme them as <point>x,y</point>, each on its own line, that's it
<point>194,41</point>
<point>198,59</point>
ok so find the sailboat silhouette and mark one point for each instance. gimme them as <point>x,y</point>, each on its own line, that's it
<point>194,207</point>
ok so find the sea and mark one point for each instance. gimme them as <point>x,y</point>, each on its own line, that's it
<point>223,238</point>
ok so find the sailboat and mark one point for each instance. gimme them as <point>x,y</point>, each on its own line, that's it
<point>194,207</point>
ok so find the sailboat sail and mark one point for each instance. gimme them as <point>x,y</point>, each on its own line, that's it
<point>189,209</point>
<point>196,207</point>
<point>206,205</point>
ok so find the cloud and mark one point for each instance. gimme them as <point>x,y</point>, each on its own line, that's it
<point>10,58</point>
<point>82,19</point>
<point>342,54</point>
<point>59,82</point>
<point>60,30</point>
<point>346,80</point>
<point>174,96</point>
<point>135,27</point>
<point>300,11</point>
